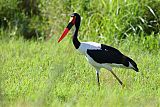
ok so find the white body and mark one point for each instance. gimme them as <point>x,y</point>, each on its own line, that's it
<point>88,45</point>
<point>93,45</point>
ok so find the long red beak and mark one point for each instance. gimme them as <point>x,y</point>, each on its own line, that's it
<point>66,30</point>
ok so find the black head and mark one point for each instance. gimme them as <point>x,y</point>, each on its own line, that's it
<point>74,20</point>
<point>77,19</point>
<point>132,64</point>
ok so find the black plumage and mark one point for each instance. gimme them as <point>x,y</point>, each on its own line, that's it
<point>107,54</point>
<point>110,55</point>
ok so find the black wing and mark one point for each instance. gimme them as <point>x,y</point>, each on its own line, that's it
<point>106,54</point>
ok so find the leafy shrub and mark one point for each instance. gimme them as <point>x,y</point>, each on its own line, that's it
<point>147,20</point>
<point>102,19</point>
<point>26,15</point>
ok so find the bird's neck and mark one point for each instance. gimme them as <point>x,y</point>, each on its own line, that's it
<point>75,39</point>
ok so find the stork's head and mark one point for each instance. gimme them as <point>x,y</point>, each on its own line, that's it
<point>132,64</point>
<point>74,20</point>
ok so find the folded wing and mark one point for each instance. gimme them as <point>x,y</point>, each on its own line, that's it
<point>106,54</point>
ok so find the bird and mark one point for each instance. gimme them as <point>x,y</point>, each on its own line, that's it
<point>98,55</point>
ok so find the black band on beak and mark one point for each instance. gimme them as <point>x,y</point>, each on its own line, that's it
<point>69,26</point>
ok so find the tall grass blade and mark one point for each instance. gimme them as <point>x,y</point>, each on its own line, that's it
<point>151,10</point>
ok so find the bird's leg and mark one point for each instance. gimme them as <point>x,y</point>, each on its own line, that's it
<point>116,77</point>
<point>98,79</point>
<point>97,72</point>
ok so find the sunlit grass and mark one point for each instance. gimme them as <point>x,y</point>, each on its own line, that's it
<point>52,74</point>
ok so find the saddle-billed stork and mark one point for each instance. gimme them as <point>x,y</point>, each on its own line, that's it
<point>98,55</point>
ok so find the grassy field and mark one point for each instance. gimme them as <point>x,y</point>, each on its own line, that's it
<point>51,74</point>
<point>43,73</point>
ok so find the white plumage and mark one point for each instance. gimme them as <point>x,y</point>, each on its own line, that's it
<point>88,45</point>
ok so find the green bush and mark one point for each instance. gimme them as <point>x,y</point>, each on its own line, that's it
<point>147,20</point>
<point>27,17</point>
<point>101,19</point>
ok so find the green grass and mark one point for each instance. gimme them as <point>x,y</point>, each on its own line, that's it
<point>51,74</point>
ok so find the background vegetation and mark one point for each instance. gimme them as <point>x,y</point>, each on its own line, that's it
<point>37,71</point>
